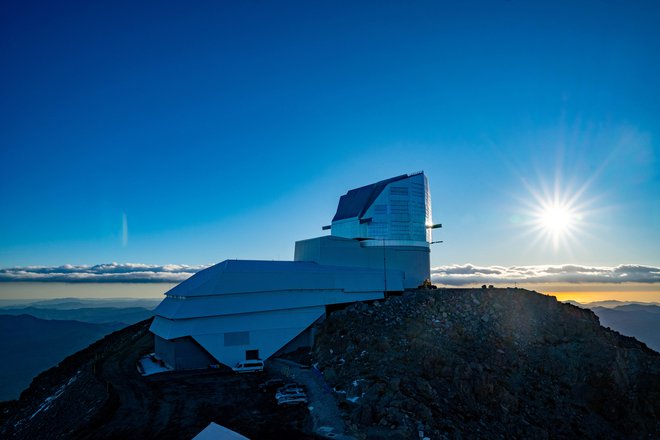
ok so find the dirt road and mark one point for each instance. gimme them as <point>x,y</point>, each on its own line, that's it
<point>326,418</point>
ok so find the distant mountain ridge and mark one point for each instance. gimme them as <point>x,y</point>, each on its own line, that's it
<point>30,345</point>
<point>96,315</point>
<point>80,303</point>
<point>642,322</point>
<point>637,319</point>
<point>610,303</point>
<point>60,327</point>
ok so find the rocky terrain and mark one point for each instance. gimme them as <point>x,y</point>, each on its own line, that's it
<point>440,364</point>
<point>487,363</point>
<point>98,394</point>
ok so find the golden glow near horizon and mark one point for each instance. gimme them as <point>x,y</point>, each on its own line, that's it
<point>623,296</point>
<point>586,293</point>
<point>583,293</point>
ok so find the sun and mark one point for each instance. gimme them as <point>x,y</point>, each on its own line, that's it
<point>556,219</point>
<point>555,216</point>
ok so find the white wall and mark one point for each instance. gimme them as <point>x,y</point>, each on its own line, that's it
<point>413,261</point>
<point>268,331</point>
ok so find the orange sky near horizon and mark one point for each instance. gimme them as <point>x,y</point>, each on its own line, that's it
<point>583,293</point>
<point>586,293</point>
<point>587,297</point>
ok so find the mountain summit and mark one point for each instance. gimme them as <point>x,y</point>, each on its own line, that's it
<point>442,364</point>
<point>488,363</point>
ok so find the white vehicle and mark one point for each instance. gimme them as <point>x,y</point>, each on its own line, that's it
<point>290,401</point>
<point>290,386</point>
<point>287,394</point>
<point>289,390</point>
<point>251,366</point>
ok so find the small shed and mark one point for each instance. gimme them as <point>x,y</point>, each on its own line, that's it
<point>218,432</point>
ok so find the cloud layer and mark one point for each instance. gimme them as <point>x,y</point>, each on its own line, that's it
<point>452,275</point>
<point>460,275</point>
<point>102,273</point>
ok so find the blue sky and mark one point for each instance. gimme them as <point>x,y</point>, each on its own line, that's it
<point>166,133</point>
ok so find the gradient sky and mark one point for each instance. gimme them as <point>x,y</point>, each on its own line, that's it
<point>166,133</point>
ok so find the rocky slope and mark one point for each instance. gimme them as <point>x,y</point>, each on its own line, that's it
<point>487,363</point>
<point>98,394</point>
<point>492,364</point>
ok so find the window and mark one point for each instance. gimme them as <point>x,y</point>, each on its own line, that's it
<point>417,190</point>
<point>398,206</point>
<point>237,338</point>
<point>377,230</point>
<point>400,227</point>
<point>398,191</point>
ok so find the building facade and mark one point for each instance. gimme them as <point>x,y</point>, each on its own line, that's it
<point>387,224</point>
<point>238,309</point>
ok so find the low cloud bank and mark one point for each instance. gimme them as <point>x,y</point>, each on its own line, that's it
<point>452,275</point>
<point>460,275</point>
<point>102,273</point>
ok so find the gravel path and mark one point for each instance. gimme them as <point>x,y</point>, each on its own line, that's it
<point>326,418</point>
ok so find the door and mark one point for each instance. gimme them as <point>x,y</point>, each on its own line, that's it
<point>251,354</point>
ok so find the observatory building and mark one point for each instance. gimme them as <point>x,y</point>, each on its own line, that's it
<point>244,309</point>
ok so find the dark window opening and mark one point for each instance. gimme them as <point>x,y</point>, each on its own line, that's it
<point>237,338</point>
<point>251,354</point>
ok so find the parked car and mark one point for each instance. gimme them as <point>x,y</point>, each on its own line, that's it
<point>251,366</point>
<point>271,384</point>
<point>290,390</point>
<point>286,394</point>
<point>291,401</point>
<point>289,385</point>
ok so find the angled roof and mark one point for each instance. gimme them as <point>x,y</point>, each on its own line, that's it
<point>245,276</point>
<point>356,202</point>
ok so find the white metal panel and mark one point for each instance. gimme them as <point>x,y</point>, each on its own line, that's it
<point>192,307</point>
<point>413,261</point>
<point>266,341</point>
<point>243,276</point>
<point>268,331</point>
<point>176,328</point>
<point>349,228</point>
<point>400,212</point>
